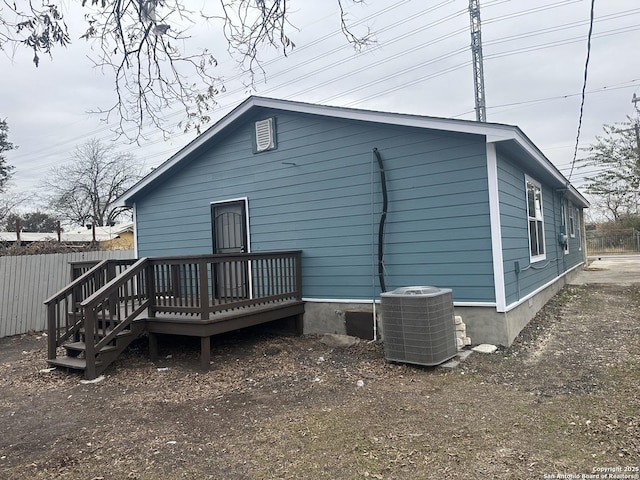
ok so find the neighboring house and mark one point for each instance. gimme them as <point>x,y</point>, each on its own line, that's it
<point>475,207</point>
<point>115,237</point>
<point>110,237</point>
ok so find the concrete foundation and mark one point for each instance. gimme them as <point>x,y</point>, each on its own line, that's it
<point>328,317</point>
<point>484,324</point>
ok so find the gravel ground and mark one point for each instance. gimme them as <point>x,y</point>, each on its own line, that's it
<point>563,400</point>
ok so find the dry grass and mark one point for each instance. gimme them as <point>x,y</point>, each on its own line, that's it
<point>563,399</point>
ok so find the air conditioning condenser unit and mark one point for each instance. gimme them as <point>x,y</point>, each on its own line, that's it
<point>419,325</point>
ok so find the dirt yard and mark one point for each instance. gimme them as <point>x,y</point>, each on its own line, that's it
<point>564,399</point>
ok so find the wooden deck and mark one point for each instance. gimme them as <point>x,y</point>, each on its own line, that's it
<point>221,322</point>
<point>107,306</point>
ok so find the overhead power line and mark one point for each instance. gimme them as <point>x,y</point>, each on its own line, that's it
<point>398,74</point>
<point>584,87</point>
<point>606,88</point>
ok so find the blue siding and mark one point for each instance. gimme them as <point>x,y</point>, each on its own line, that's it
<point>576,255</point>
<point>328,204</point>
<point>515,240</point>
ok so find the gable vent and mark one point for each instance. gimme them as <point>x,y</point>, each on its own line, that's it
<point>265,135</point>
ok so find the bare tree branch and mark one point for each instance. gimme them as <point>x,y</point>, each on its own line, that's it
<point>144,44</point>
<point>84,190</point>
<point>10,201</point>
<point>39,29</point>
<point>615,156</point>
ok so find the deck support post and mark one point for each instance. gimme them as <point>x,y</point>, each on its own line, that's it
<point>205,352</point>
<point>299,325</point>
<point>153,346</point>
<point>151,290</point>
<point>52,330</point>
<point>204,289</point>
<point>90,326</point>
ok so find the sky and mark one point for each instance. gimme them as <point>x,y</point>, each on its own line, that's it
<point>534,66</point>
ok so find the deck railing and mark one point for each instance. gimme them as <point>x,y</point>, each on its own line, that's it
<point>204,285</point>
<point>108,297</point>
<point>110,310</point>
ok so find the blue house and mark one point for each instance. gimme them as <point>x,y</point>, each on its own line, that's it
<point>374,201</point>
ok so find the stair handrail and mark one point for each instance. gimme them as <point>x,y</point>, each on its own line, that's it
<point>92,304</point>
<point>126,275</point>
<point>78,281</point>
<point>94,274</point>
<point>54,338</point>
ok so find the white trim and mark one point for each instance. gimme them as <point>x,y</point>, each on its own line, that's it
<point>579,229</point>
<point>248,233</point>
<point>492,133</point>
<point>135,230</point>
<point>532,150</point>
<point>369,302</point>
<point>476,304</point>
<point>539,289</point>
<point>572,220</point>
<point>338,300</point>
<point>564,213</point>
<point>535,183</point>
<point>496,228</point>
<point>246,209</point>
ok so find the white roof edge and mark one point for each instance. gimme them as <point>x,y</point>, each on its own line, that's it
<point>391,118</point>
<point>192,146</point>
<point>532,150</point>
<point>492,131</point>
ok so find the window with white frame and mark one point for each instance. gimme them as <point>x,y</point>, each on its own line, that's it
<point>564,215</point>
<point>578,229</point>
<point>572,222</point>
<point>536,220</point>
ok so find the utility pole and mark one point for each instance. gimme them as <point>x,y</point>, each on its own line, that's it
<point>476,52</point>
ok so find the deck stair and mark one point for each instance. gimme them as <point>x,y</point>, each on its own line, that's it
<point>76,352</point>
<point>107,306</point>
<point>97,316</point>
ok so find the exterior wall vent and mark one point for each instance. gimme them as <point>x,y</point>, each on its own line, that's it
<point>265,135</point>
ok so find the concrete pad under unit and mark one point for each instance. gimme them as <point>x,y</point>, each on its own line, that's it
<point>464,354</point>
<point>450,364</point>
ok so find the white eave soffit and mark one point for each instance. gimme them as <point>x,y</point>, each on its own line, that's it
<point>549,167</point>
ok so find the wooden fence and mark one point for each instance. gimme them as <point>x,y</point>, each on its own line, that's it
<point>26,281</point>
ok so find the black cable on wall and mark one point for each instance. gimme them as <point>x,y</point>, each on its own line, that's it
<point>383,219</point>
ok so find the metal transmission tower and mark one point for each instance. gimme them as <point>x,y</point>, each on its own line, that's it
<point>476,52</point>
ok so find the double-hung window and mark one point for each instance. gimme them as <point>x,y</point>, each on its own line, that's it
<point>572,223</point>
<point>578,229</point>
<point>536,220</point>
<point>564,215</point>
